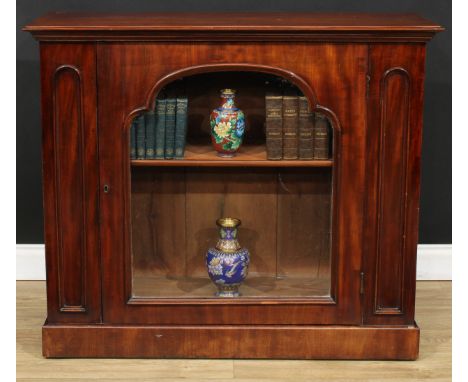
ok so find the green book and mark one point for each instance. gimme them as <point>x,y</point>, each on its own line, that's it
<point>133,128</point>
<point>140,137</point>
<point>170,127</point>
<point>150,134</point>
<point>180,128</point>
<point>160,123</point>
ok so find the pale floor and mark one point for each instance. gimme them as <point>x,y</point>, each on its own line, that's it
<point>433,314</point>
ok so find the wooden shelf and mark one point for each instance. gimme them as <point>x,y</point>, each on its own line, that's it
<point>248,156</point>
<point>146,286</point>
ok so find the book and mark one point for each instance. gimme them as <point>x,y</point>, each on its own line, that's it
<point>133,128</point>
<point>321,137</point>
<point>160,126</point>
<point>150,134</point>
<point>290,125</point>
<point>180,127</point>
<point>140,137</point>
<point>306,130</point>
<point>274,125</point>
<point>170,128</point>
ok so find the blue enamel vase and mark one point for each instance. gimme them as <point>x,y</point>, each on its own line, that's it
<point>227,263</point>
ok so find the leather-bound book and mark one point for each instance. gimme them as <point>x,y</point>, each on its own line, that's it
<point>170,127</point>
<point>321,137</point>
<point>274,125</point>
<point>290,125</point>
<point>160,123</point>
<point>133,128</point>
<point>140,137</point>
<point>150,134</point>
<point>181,127</point>
<point>306,130</point>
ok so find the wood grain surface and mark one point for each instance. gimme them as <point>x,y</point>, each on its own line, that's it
<point>394,161</point>
<point>233,26</point>
<point>71,182</point>
<point>232,21</point>
<point>433,312</point>
<point>226,341</point>
<point>146,284</point>
<point>248,156</point>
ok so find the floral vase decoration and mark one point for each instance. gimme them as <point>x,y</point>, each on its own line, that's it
<point>227,125</point>
<point>227,263</point>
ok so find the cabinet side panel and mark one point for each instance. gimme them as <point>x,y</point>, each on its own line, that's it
<point>69,180</point>
<point>394,147</point>
<point>392,186</point>
<point>70,170</point>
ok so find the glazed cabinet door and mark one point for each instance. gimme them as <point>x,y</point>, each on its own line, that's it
<point>71,181</point>
<point>303,225</point>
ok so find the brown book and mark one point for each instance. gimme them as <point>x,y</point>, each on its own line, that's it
<point>306,130</point>
<point>321,137</point>
<point>290,125</point>
<point>274,125</point>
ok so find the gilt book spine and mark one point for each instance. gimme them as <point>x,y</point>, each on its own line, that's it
<point>160,123</point>
<point>321,137</point>
<point>290,126</point>
<point>180,128</point>
<point>306,130</point>
<point>150,134</point>
<point>170,127</point>
<point>274,125</point>
<point>133,129</point>
<point>140,137</point>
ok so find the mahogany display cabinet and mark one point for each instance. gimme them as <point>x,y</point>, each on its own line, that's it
<point>333,242</point>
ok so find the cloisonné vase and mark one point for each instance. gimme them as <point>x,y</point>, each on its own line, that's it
<point>227,125</point>
<point>227,263</point>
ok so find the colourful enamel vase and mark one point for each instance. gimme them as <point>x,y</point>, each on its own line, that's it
<point>227,263</point>
<point>227,125</point>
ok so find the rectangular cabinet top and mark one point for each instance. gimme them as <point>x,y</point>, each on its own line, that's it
<point>233,26</point>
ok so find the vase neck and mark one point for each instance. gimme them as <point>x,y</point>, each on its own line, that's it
<point>228,233</point>
<point>228,239</point>
<point>227,99</point>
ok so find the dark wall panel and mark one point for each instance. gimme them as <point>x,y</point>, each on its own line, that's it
<point>435,218</point>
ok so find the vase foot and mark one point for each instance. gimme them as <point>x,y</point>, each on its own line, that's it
<point>226,155</point>
<point>228,291</point>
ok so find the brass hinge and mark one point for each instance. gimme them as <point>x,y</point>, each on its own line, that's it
<point>361,289</point>
<point>367,85</point>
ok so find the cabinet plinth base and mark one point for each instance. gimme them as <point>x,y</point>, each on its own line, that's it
<point>282,342</point>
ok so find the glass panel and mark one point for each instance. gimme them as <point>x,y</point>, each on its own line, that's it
<point>278,244</point>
